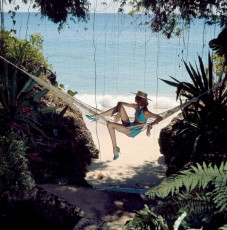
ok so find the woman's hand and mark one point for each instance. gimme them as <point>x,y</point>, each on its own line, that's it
<point>149,130</point>
<point>151,125</point>
<point>117,117</point>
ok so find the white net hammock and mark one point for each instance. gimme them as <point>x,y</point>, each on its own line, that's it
<point>87,109</point>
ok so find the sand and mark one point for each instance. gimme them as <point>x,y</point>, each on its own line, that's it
<point>140,164</point>
<point>139,168</point>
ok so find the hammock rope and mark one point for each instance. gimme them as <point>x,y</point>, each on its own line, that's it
<point>85,108</point>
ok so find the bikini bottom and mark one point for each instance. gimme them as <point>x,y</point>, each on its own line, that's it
<point>134,131</point>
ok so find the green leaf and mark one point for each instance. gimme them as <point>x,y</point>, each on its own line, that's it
<point>190,74</point>
<point>39,95</point>
<point>23,104</point>
<point>37,74</point>
<point>193,177</point>
<point>210,73</point>
<point>48,109</point>
<point>14,88</point>
<point>203,73</point>
<point>28,86</point>
<point>190,88</point>
<point>175,79</point>
<point>170,83</point>
<point>197,78</point>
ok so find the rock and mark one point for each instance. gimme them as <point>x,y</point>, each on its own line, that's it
<point>177,150</point>
<point>63,159</point>
<point>181,150</point>
<point>45,210</point>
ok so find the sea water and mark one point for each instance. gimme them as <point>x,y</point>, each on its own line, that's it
<point>113,55</point>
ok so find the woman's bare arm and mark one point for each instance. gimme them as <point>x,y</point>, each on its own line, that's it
<point>157,120</point>
<point>133,105</point>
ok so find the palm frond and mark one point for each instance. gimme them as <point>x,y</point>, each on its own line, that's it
<point>197,78</point>
<point>191,74</point>
<point>204,76</point>
<point>210,66</point>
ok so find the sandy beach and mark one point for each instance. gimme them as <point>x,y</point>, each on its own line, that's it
<point>140,164</point>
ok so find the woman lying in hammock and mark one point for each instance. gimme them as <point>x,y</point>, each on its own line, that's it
<point>129,128</point>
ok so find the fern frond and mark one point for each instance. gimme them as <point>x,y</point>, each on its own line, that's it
<point>223,227</point>
<point>195,202</point>
<point>220,197</point>
<point>194,177</point>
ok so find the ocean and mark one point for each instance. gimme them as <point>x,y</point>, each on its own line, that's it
<point>113,55</point>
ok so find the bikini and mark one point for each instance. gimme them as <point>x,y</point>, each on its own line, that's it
<point>136,129</point>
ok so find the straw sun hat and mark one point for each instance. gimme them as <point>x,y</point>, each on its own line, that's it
<point>142,95</point>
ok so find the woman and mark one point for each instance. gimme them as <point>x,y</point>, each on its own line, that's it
<point>141,116</point>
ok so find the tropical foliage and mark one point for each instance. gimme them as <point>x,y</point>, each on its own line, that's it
<point>19,97</point>
<point>193,198</point>
<point>52,122</point>
<point>59,11</point>
<point>208,111</point>
<point>14,176</point>
<point>207,183</point>
<point>146,219</point>
<point>18,100</point>
<point>23,53</point>
<point>168,16</point>
<point>219,45</point>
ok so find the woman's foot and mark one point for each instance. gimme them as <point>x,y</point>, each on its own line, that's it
<point>92,118</point>
<point>116,153</point>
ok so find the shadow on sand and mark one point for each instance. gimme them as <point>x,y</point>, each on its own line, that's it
<point>143,176</point>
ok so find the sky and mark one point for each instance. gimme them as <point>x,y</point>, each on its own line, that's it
<point>96,5</point>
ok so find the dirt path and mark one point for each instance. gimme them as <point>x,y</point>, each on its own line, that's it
<point>103,209</point>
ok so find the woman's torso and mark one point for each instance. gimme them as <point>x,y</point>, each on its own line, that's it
<point>139,116</point>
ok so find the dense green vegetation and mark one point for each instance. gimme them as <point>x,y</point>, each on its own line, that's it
<point>192,198</point>
<point>169,17</point>
<point>22,52</point>
<point>209,109</point>
<point>22,114</point>
<point>20,97</point>
<point>195,198</point>
<point>13,166</point>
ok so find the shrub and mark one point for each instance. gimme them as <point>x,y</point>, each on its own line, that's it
<point>21,52</point>
<point>14,175</point>
<point>208,112</point>
<point>200,192</point>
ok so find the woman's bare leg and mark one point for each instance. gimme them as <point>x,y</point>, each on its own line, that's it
<point>124,115</point>
<point>119,108</point>
<point>121,128</point>
<point>103,114</point>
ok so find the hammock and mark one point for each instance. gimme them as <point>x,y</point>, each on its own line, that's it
<point>85,108</point>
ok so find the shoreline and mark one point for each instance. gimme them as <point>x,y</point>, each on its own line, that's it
<point>140,164</point>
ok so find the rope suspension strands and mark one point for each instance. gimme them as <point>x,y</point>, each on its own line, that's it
<point>84,108</point>
<point>94,59</point>
<point>67,98</point>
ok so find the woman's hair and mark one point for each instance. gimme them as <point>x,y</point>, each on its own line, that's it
<point>141,101</point>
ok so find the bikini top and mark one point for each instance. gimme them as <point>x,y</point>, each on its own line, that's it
<point>141,117</point>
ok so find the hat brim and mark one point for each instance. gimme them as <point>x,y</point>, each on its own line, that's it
<point>142,97</point>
